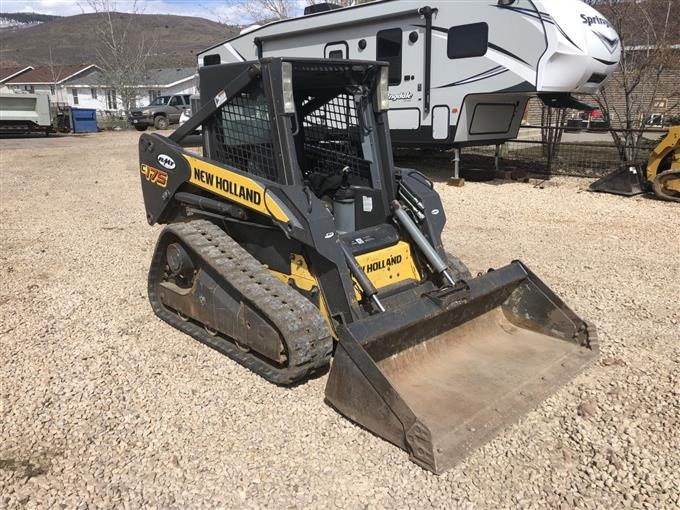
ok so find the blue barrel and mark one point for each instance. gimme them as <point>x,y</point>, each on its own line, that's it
<point>84,120</point>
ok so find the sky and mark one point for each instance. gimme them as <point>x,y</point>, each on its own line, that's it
<point>226,11</point>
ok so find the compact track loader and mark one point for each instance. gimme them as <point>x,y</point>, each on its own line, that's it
<point>293,238</point>
<point>661,176</point>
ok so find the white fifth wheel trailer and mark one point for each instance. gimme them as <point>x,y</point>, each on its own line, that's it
<point>461,72</point>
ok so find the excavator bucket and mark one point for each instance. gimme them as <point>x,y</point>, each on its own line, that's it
<point>441,376</point>
<point>627,180</point>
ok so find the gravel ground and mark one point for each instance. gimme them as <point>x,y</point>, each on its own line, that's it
<point>102,405</point>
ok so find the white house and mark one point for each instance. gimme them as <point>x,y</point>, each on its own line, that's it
<point>8,73</point>
<point>50,80</point>
<point>157,82</point>
<point>84,86</point>
<point>165,82</point>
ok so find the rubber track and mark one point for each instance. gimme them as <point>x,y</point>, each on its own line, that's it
<point>673,174</point>
<point>305,333</point>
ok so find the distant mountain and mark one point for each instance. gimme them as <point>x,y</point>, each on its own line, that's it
<point>22,19</point>
<point>72,39</point>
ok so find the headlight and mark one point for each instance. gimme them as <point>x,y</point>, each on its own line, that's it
<point>146,112</point>
<point>287,85</point>
<point>383,91</point>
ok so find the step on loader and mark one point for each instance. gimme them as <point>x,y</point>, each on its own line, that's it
<point>292,238</point>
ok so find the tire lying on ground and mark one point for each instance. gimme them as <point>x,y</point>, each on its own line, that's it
<point>478,174</point>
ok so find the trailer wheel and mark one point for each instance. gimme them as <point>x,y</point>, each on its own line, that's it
<point>141,128</point>
<point>161,122</point>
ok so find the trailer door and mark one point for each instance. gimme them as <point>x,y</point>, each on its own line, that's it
<point>405,51</point>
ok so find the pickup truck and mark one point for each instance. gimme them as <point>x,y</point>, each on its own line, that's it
<point>161,112</point>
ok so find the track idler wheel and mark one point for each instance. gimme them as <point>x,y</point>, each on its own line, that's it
<point>179,262</point>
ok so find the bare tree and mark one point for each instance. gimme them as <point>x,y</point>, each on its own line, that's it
<point>122,53</point>
<point>262,11</point>
<point>341,3</point>
<point>553,121</point>
<point>226,19</point>
<point>647,30</point>
<point>56,75</point>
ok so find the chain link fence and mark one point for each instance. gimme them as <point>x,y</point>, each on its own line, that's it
<point>583,154</point>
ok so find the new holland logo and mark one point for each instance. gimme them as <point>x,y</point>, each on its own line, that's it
<point>233,188</point>
<point>382,264</point>
<point>166,161</point>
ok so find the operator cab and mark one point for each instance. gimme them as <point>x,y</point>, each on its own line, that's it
<point>327,122</point>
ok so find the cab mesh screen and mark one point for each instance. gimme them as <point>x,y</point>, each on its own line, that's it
<point>332,138</point>
<point>242,135</point>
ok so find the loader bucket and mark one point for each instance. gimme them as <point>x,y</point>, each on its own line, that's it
<point>627,181</point>
<point>442,376</point>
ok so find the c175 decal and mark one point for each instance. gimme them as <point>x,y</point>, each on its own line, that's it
<point>155,176</point>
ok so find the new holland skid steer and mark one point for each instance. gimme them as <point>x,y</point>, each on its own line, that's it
<point>293,239</point>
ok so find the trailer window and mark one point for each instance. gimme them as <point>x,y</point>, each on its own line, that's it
<point>389,50</point>
<point>466,41</point>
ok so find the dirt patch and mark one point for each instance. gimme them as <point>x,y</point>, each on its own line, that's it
<point>146,416</point>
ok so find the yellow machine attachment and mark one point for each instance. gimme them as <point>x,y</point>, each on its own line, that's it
<point>663,169</point>
<point>662,175</point>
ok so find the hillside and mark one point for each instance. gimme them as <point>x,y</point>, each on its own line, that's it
<point>14,20</point>
<point>72,39</point>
